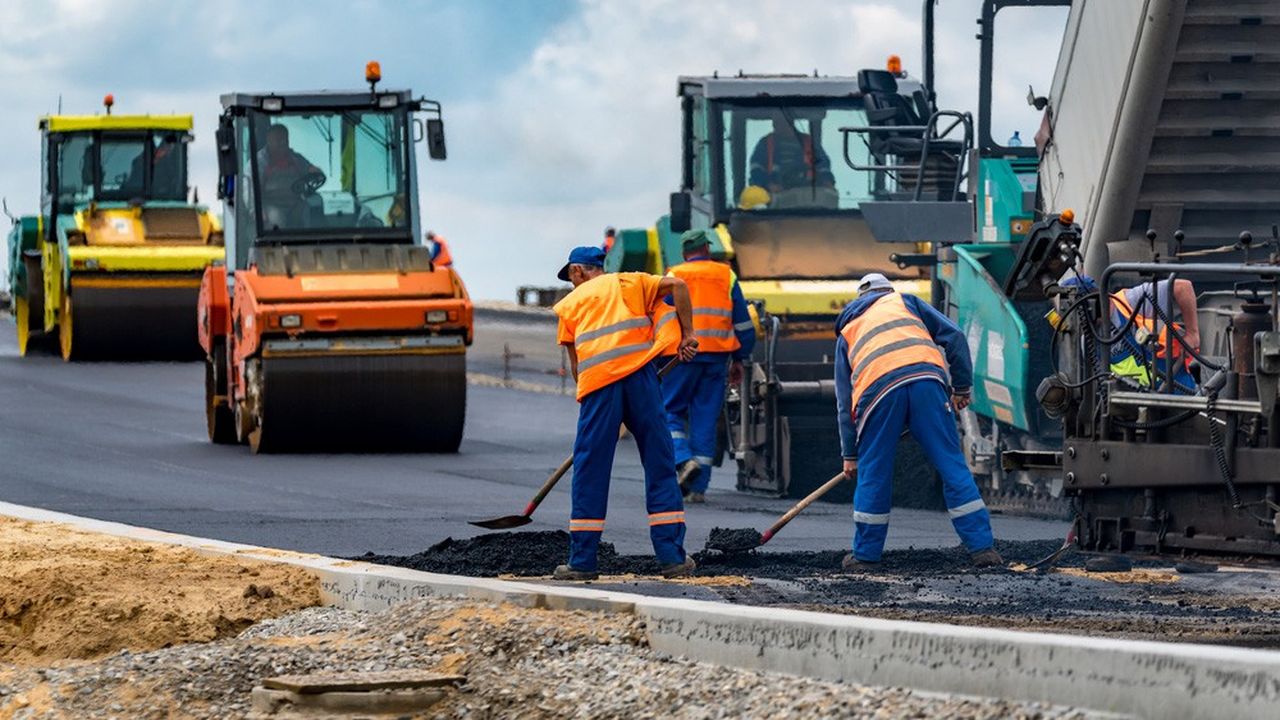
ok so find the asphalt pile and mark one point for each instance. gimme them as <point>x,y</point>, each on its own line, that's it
<point>537,553</point>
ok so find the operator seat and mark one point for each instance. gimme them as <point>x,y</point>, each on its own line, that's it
<point>886,106</point>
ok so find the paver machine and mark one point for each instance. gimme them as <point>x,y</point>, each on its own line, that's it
<point>329,327</point>
<point>762,166</point>
<point>110,267</point>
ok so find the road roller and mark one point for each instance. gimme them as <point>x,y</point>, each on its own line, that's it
<point>111,265</point>
<point>329,327</point>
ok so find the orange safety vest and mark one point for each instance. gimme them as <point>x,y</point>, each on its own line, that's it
<point>885,337</point>
<point>808,154</point>
<point>442,258</point>
<point>613,334</point>
<point>1144,327</point>
<point>710,292</point>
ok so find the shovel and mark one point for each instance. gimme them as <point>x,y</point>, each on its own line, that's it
<point>508,522</point>
<point>740,541</point>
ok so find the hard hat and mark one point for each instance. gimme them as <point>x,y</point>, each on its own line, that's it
<point>753,197</point>
<point>872,282</point>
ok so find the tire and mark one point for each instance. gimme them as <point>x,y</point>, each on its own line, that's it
<point>219,418</point>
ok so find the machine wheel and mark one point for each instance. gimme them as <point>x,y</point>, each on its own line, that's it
<point>66,330</point>
<point>219,418</point>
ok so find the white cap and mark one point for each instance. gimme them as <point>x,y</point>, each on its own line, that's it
<point>873,281</point>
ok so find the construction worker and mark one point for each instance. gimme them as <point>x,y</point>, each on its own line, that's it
<point>610,237</point>
<point>890,375</point>
<point>607,327</point>
<point>283,169</point>
<point>439,249</point>
<point>788,159</point>
<point>694,392</point>
<point>1147,345</point>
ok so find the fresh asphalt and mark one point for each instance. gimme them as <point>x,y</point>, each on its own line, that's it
<point>126,442</point>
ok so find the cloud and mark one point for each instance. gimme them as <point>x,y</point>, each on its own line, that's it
<point>561,118</point>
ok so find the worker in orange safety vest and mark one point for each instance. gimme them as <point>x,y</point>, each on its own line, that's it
<point>439,250</point>
<point>694,392</point>
<point>607,326</point>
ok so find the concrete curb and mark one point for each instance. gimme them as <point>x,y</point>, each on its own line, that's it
<point>1146,679</point>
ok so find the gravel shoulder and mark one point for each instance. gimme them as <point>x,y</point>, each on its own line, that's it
<point>518,662</point>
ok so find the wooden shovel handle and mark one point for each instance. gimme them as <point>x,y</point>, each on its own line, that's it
<point>555,478</point>
<point>800,506</point>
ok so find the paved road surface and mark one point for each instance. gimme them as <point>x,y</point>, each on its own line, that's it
<point>126,442</point>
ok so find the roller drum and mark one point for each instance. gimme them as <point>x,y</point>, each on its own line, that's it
<point>352,402</point>
<point>128,323</point>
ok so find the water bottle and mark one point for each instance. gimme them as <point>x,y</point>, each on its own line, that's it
<point>1016,140</point>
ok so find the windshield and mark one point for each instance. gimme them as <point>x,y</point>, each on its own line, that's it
<point>332,170</point>
<point>114,166</point>
<point>779,157</point>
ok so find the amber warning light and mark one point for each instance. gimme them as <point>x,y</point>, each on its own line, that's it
<point>372,72</point>
<point>107,101</point>
<point>894,65</point>
<point>1067,217</point>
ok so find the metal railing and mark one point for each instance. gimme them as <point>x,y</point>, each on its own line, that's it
<point>929,133</point>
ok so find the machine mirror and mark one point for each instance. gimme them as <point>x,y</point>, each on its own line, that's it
<point>435,139</point>
<point>681,212</point>
<point>225,137</point>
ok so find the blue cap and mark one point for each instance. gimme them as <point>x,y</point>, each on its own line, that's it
<point>1080,280</point>
<point>585,255</point>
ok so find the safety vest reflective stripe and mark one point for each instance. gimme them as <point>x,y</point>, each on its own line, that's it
<point>640,322</point>
<point>666,518</point>
<point>703,459</point>
<point>871,518</point>
<point>892,347</point>
<point>1147,325</point>
<point>886,337</point>
<point>613,354</point>
<point>744,325</point>
<point>710,292</point>
<point>611,341</point>
<point>576,525</point>
<point>967,508</point>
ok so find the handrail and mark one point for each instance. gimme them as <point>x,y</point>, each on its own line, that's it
<point>929,133</point>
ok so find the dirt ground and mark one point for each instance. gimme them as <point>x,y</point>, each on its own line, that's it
<point>72,595</point>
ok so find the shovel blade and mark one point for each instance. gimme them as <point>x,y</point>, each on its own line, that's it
<point>503,523</point>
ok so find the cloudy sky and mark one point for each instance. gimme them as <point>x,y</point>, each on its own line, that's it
<point>561,115</point>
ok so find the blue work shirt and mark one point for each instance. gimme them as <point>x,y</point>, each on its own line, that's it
<point>943,331</point>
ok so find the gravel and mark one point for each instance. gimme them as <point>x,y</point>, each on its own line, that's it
<point>518,662</point>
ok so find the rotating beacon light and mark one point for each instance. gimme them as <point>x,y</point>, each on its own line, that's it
<point>107,101</point>
<point>373,74</point>
<point>894,66</point>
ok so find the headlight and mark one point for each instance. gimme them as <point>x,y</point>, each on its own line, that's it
<point>272,104</point>
<point>388,101</point>
<point>290,321</point>
<point>437,316</point>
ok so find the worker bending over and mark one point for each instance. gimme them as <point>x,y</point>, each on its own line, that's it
<point>890,374</point>
<point>607,327</point>
<point>694,392</point>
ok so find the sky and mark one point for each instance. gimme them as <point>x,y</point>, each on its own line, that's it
<point>561,115</point>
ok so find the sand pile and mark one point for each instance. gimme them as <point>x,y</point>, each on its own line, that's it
<point>68,594</point>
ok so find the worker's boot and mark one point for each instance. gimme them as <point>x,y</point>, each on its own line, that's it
<point>686,474</point>
<point>695,498</point>
<point>853,564</point>
<point>564,572</point>
<point>986,558</point>
<point>679,570</point>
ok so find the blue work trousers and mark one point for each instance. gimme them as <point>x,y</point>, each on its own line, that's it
<point>635,401</point>
<point>922,406</point>
<point>694,395</point>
